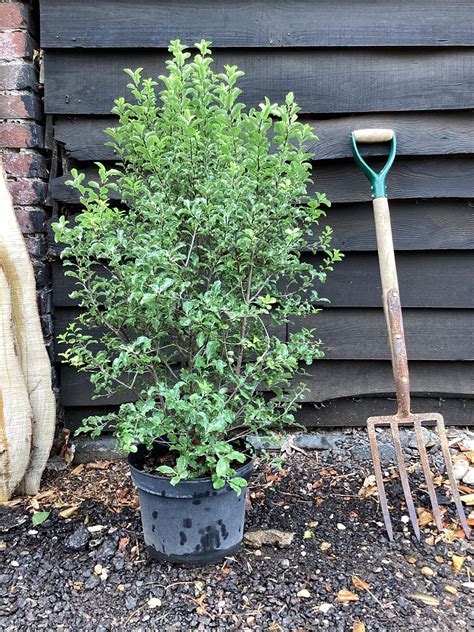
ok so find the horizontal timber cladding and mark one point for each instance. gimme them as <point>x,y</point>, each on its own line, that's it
<point>264,23</point>
<point>427,279</point>
<point>336,80</point>
<point>344,412</point>
<point>326,379</point>
<point>417,225</point>
<point>419,133</point>
<point>437,177</point>
<point>354,411</point>
<point>406,65</point>
<point>359,333</point>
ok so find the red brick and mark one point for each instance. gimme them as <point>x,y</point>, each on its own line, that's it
<point>31,220</point>
<point>27,192</point>
<point>17,106</point>
<point>18,76</point>
<point>23,165</point>
<point>16,45</point>
<point>17,135</point>
<point>14,15</point>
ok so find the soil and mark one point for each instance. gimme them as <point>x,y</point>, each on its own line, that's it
<point>87,570</point>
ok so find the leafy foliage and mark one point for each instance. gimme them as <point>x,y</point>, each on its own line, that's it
<point>197,267</point>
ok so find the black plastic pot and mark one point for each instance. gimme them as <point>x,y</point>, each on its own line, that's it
<point>190,523</point>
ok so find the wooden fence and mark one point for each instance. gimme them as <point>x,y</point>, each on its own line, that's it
<point>408,65</point>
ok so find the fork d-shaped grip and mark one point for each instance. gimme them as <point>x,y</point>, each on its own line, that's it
<point>377,180</point>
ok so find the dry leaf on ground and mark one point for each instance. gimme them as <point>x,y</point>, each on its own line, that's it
<point>345,595</point>
<point>69,512</point>
<point>360,583</point>
<point>358,626</point>
<point>98,465</point>
<point>467,499</point>
<point>429,600</point>
<point>369,487</point>
<point>457,561</point>
<point>425,517</point>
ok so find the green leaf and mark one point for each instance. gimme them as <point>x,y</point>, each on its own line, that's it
<point>39,517</point>
<point>165,469</point>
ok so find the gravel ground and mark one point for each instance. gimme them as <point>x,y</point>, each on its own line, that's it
<point>88,571</point>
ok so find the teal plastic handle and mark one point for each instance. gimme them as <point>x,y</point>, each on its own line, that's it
<point>377,180</point>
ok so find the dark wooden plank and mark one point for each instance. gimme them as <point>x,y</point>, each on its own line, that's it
<point>353,412</point>
<point>326,379</point>
<point>361,334</point>
<point>335,413</point>
<point>422,133</point>
<point>324,81</point>
<point>408,179</point>
<point>418,134</point>
<point>417,225</point>
<point>343,181</point>
<point>265,23</point>
<point>333,379</point>
<point>427,279</point>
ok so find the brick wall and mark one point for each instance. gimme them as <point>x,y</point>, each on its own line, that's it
<point>22,139</point>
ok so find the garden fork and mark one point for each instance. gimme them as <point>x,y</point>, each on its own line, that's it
<point>393,316</point>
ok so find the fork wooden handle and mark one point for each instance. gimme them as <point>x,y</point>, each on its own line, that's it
<point>373,135</point>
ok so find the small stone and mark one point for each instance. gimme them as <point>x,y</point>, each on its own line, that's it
<point>15,563</point>
<point>325,607</point>
<point>98,569</point>
<point>469,477</point>
<point>426,570</point>
<point>130,602</point>
<point>92,582</point>
<point>154,602</point>
<point>405,519</point>
<point>468,444</point>
<point>303,594</point>
<point>118,563</point>
<point>121,587</point>
<point>460,468</point>
<point>341,527</point>
<point>78,539</point>
<point>325,546</point>
<point>275,537</point>
<point>285,563</point>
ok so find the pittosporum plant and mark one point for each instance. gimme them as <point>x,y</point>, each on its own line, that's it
<point>193,276</point>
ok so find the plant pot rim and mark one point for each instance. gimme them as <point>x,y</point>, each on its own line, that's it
<point>189,488</point>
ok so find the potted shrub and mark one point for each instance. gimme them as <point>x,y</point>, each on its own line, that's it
<point>186,286</point>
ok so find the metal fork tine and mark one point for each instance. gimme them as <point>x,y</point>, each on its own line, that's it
<point>428,475</point>
<point>443,440</point>
<point>379,478</point>
<point>404,478</point>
